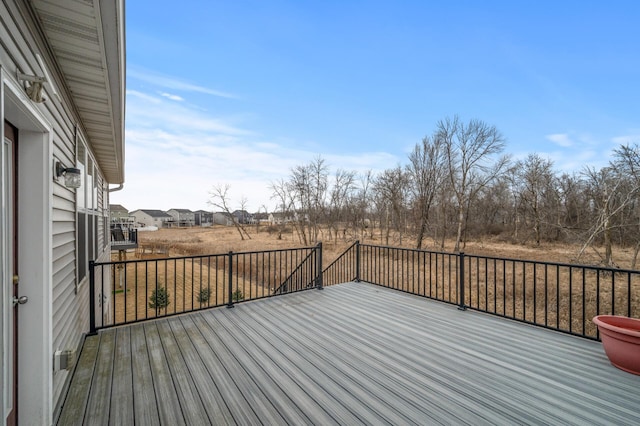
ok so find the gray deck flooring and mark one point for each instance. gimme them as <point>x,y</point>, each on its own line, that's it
<point>349,354</point>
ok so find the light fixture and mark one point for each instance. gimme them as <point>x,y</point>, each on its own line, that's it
<point>72,176</point>
<point>34,84</point>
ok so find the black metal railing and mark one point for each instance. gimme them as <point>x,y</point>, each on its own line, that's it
<point>558,296</point>
<point>305,275</point>
<point>344,269</point>
<point>123,292</point>
<point>123,237</point>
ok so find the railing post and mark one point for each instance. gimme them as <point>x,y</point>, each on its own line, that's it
<point>461,304</point>
<point>357,261</point>
<point>92,298</point>
<point>319,266</point>
<point>230,283</point>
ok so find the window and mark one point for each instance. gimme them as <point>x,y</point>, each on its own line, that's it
<point>88,217</point>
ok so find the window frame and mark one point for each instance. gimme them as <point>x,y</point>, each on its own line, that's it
<point>88,211</point>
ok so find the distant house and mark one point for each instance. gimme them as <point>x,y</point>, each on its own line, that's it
<point>222,218</point>
<point>243,217</point>
<point>153,218</point>
<point>120,217</point>
<point>280,218</point>
<point>203,218</point>
<point>261,217</point>
<point>182,217</point>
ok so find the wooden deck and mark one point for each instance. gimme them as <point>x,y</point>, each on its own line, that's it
<point>349,354</point>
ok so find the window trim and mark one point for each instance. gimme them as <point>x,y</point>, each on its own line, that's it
<point>87,238</point>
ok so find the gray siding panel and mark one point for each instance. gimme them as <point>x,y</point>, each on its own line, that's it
<point>18,44</point>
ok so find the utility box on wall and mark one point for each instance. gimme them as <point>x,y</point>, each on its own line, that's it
<point>64,360</point>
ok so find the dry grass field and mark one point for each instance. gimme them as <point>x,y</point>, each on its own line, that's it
<point>222,239</point>
<point>559,297</point>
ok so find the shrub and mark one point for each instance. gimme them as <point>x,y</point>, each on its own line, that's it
<point>237,295</point>
<point>204,295</point>
<point>159,298</point>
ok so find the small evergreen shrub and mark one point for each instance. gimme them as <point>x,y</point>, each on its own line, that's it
<point>159,298</point>
<point>204,295</point>
<point>237,295</point>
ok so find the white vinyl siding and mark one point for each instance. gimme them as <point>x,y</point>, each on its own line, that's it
<point>70,303</point>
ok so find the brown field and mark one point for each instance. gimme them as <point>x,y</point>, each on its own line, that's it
<point>222,239</point>
<point>525,295</point>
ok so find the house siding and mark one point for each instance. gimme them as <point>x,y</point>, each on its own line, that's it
<point>19,40</point>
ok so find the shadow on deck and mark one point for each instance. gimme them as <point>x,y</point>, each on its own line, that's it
<point>353,353</point>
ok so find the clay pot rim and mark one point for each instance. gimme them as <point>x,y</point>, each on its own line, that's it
<point>602,321</point>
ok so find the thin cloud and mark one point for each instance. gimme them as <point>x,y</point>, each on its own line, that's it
<point>561,139</point>
<point>172,97</point>
<point>144,110</point>
<point>626,139</point>
<point>147,98</point>
<point>175,84</point>
<point>176,153</point>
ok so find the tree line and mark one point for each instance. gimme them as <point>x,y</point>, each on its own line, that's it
<point>458,184</point>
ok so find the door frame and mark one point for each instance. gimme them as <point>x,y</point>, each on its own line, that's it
<point>9,262</point>
<point>34,233</point>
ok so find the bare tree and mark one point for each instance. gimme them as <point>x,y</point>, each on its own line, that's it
<point>627,162</point>
<point>319,184</point>
<point>340,195</point>
<point>308,186</point>
<point>535,183</point>
<point>572,207</point>
<point>280,191</point>
<point>607,197</point>
<point>361,205</point>
<point>469,149</point>
<point>220,198</point>
<point>427,170</point>
<point>391,188</point>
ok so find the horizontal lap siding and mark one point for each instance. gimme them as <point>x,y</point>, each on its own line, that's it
<point>19,41</point>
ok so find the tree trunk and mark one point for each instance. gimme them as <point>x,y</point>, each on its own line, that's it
<point>608,253</point>
<point>460,227</point>
<point>421,232</point>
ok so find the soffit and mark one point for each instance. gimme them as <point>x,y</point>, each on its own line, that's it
<point>87,40</point>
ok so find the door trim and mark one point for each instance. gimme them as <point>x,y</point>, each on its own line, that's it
<point>35,177</point>
<point>9,391</point>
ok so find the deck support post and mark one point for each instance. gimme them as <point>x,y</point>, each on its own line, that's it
<point>461,305</point>
<point>319,266</point>
<point>357,279</point>
<point>230,281</point>
<point>92,298</point>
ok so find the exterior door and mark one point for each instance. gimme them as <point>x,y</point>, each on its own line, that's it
<point>10,271</point>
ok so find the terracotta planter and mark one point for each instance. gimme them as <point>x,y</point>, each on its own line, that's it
<point>621,340</point>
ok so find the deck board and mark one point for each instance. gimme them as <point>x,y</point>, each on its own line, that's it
<point>122,388</point>
<point>267,383</point>
<point>169,409</point>
<point>349,354</point>
<point>144,396</point>
<point>76,401</point>
<point>212,400</point>
<point>99,403</point>
<point>188,395</point>
<point>221,382</point>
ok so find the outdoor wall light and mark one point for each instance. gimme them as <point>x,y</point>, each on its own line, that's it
<point>72,176</point>
<point>33,86</point>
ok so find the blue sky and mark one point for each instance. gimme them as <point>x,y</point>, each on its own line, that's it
<point>239,92</point>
